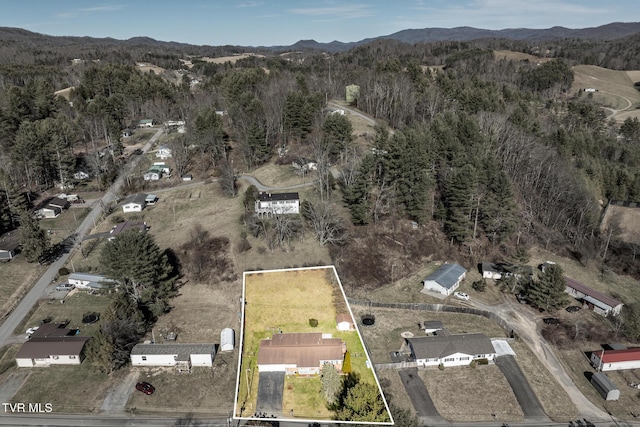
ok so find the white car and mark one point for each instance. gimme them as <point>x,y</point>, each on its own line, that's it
<point>461,295</point>
<point>30,331</point>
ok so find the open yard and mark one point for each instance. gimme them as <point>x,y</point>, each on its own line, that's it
<point>625,223</point>
<point>18,276</point>
<point>284,301</point>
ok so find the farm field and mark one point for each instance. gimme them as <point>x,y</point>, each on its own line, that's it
<point>625,221</point>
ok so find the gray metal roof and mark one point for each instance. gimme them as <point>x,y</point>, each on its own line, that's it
<point>139,199</point>
<point>182,351</point>
<point>430,347</point>
<point>89,277</point>
<point>446,275</point>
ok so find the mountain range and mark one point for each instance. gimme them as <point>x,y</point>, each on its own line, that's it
<point>611,31</point>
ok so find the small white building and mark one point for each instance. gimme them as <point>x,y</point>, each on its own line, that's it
<point>152,175</point>
<point>164,152</point>
<point>89,281</point>
<point>81,175</point>
<point>134,203</point>
<point>49,212</point>
<point>432,326</point>
<point>173,355</point>
<point>444,280</point>
<point>277,204</point>
<point>145,123</point>
<point>344,322</point>
<point>227,339</point>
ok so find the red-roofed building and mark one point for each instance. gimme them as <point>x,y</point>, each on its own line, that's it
<point>614,360</point>
<point>596,301</point>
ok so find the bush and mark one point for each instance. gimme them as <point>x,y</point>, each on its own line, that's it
<point>441,367</point>
<point>473,364</point>
<point>479,285</point>
<point>64,271</point>
<point>116,219</point>
<point>313,322</point>
<point>482,361</point>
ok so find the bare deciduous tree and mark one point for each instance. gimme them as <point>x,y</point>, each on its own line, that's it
<point>327,226</point>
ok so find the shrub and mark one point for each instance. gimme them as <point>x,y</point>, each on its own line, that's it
<point>64,271</point>
<point>346,364</point>
<point>441,367</point>
<point>479,285</point>
<point>473,364</point>
<point>482,361</point>
<point>116,219</point>
<point>313,322</point>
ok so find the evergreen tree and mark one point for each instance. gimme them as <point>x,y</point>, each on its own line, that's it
<point>331,383</point>
<point>135,260</point>
<point>33,239</point>
<point>357,195</point>
<point>548,292</point>
<point>459,202</point>
<point>497,208</point>
<point>338,134</point>
<point>363,403</point>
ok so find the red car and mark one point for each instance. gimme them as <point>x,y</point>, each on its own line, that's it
<point>145,387</point>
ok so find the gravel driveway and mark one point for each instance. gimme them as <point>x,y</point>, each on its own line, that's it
<point>117,397</point>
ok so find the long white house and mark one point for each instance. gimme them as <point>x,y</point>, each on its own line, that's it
<point>277,204</point>
<point>89,281</point>
<point>615,360</point>
<point>173,354</point>
<point>450,350</point>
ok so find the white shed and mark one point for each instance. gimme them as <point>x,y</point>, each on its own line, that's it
<point>227,339</point>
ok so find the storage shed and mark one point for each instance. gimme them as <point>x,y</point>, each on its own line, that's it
<point>605,387</point>
<point>227,339</point>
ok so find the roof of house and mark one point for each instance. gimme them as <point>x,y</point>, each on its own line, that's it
<point>126,226</point>
<point>57,201</point>
<point>9,241</point>
<point>138,199</point>
<point>343,317</point>
<point>610,302</point>
<point>182,351</point>
<point>56,209</point>
<point>626,355</point>
<point>432,324</point>
<point>267,197</point>
<point>52,330</point>
<point>86,277</point>
<point>430,347</point>
<point>44,348</point>
<point>446,275</point>
<point>489,266</point>
<point>299,349</point>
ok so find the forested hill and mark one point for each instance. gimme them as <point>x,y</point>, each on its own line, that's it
<point>490,154</point>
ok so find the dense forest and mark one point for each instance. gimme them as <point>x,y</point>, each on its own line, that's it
<point>486,155</point>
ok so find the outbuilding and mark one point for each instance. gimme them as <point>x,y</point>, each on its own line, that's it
<point>444,280</point>
<point>227,339</point>
<point>344,322</point>
<point>607,389</point>
<point>596,301</point>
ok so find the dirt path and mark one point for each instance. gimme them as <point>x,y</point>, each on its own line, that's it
<point>527,330</point>
<point>117,397</point>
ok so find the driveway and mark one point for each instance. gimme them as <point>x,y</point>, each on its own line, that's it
<point>118,395</point>
<point>12,384</point>
<point>270,388</point>
<point>420,398</point>
<point>531,407</point>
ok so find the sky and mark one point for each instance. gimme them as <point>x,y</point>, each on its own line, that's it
<point>284,22</point>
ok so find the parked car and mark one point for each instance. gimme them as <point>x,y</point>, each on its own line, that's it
<point>64,287</point>
<point>145,387</point>
<point>551,321</point>
<point>461,295</point>
<point>573,308</point>
<point>30,331</point>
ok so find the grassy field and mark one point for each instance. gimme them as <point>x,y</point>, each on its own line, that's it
<point>625,221</point>
<point>285,301</point>
<point>18,276</point>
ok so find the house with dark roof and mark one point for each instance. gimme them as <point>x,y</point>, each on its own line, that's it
<point>450,350</point>
<point>277,203</point>
<point>9,243</point>
<point>59,203</point>
<point>615,360</point>
<point>175,354</point>
<point>125,226</point>
<point>52,344</point>
<point>431,326</point>
<point>300,353</point>
<point>444,280</point>
<point>596,301</point>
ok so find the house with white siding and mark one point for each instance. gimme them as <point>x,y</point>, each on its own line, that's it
<point>277,204</point>
<point>450,350</point>
<point>52,344</point>
<point>185,355</point>
<point>134,203</point>
<point>89,281</point>
<point>616,360</point>
<point>444,280</point>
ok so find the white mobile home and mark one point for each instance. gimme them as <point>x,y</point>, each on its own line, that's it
<point>173,354</point>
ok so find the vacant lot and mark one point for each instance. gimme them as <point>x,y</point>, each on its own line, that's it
<point>510,55</point>
<point>625,222</point>
<point>18,276</point>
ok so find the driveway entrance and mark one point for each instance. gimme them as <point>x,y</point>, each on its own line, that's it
<point>270,388</point>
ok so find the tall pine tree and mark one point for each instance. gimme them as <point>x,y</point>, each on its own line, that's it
<point>548,292</point>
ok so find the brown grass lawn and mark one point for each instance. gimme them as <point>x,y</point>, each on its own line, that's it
<point>460,393</point>
<point>285,301</point>
<point>65,224</point>
<point>580,370</point>
<point>625,221</point>
<point>70,389</point>
<point>394,390</point>
<point>205,391</point>
<point>510,55</point>
<point>18,276</point>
